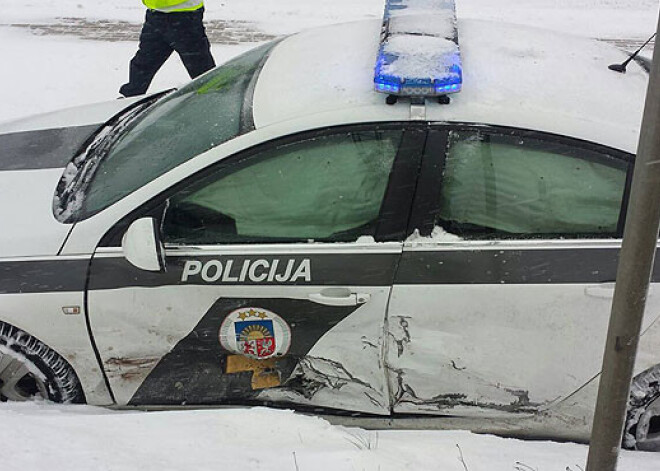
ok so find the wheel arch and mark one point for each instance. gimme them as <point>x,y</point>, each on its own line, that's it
<point>40,316</point>
<point>48,372</point>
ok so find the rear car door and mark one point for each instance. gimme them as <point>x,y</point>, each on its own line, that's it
<point>279,264</point>
<point>501,304</point>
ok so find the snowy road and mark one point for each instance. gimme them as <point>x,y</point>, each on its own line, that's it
<point>53,36</point>
<point>82,438</point>
<point>220,32</point>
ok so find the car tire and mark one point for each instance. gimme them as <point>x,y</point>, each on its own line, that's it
<point>642,430</point>
<point>31,370</point>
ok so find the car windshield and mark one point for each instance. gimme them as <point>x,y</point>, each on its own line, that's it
<point>210,110</point>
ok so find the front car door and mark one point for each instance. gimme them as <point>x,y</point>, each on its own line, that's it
<point>279,264</point>
<point>500,306</point>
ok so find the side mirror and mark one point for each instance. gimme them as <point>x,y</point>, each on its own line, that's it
<point>142,246</point>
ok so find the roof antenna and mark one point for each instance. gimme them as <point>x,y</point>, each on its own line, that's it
<point>622,67</point>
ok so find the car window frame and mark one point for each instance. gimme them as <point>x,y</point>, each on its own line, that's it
<point>426,203</point>
<point>394,215</point>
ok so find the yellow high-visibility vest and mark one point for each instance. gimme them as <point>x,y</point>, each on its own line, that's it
<point>173,5</point>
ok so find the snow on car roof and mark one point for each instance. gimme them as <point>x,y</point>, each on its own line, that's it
<point>513,76</point>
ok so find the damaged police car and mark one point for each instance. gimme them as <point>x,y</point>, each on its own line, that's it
<point>276,233</point>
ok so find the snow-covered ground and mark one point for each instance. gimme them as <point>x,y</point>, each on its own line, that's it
<point>83,438</point>
<point>44,71</point>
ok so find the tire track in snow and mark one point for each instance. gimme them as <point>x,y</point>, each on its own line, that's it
<point>219,31</point>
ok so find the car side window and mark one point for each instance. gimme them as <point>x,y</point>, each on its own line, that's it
<point>327,188</point>
<point>497,185</point>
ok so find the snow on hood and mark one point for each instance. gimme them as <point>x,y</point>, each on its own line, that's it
<point>33,154</point>
<point>31,164</point>
<point>85,115</point>
<point>46,148</point>
<point>26,215</point>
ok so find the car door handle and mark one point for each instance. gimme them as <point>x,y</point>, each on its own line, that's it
<point>339,297</point>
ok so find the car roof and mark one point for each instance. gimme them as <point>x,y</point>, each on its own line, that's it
<point>512,76</point>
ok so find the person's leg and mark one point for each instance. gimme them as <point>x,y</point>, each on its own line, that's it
<point>189,39</point>
<point>151,55</point>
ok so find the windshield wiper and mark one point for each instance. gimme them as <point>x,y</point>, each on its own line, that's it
<point>80,171</point>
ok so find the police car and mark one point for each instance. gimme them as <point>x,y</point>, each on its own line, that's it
<point>438,238</point>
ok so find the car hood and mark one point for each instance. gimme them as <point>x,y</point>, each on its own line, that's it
<point>33,154</point>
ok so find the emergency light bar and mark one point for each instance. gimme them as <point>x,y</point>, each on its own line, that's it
<point>419,55</point>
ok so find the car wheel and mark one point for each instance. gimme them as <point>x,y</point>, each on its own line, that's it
<point>643,420</point>
<point>29,370</point>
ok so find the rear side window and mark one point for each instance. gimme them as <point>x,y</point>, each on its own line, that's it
<point>329,188</point>
<point>496,185</point>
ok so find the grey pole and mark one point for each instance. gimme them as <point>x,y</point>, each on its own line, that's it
<point>632,282</point>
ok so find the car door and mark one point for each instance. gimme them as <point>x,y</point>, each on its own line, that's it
<point>278,265</point>
<point>501,304</point>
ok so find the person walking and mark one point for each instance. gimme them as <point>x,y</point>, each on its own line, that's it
<point>170,25</point>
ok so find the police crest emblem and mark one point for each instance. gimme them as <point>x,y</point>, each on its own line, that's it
<point>255,333</point>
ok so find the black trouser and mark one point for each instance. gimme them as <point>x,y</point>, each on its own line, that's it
<point>161,34</point>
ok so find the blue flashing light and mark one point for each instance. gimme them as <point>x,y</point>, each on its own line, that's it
<point>443,74</point>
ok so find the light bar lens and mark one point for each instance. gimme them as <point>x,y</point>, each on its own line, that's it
<point>419,54</point>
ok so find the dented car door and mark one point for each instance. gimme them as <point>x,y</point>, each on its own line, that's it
<point>512,276</point>
<point>278,268</point>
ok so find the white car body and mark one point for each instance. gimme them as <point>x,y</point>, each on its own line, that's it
<point>530,366</point>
